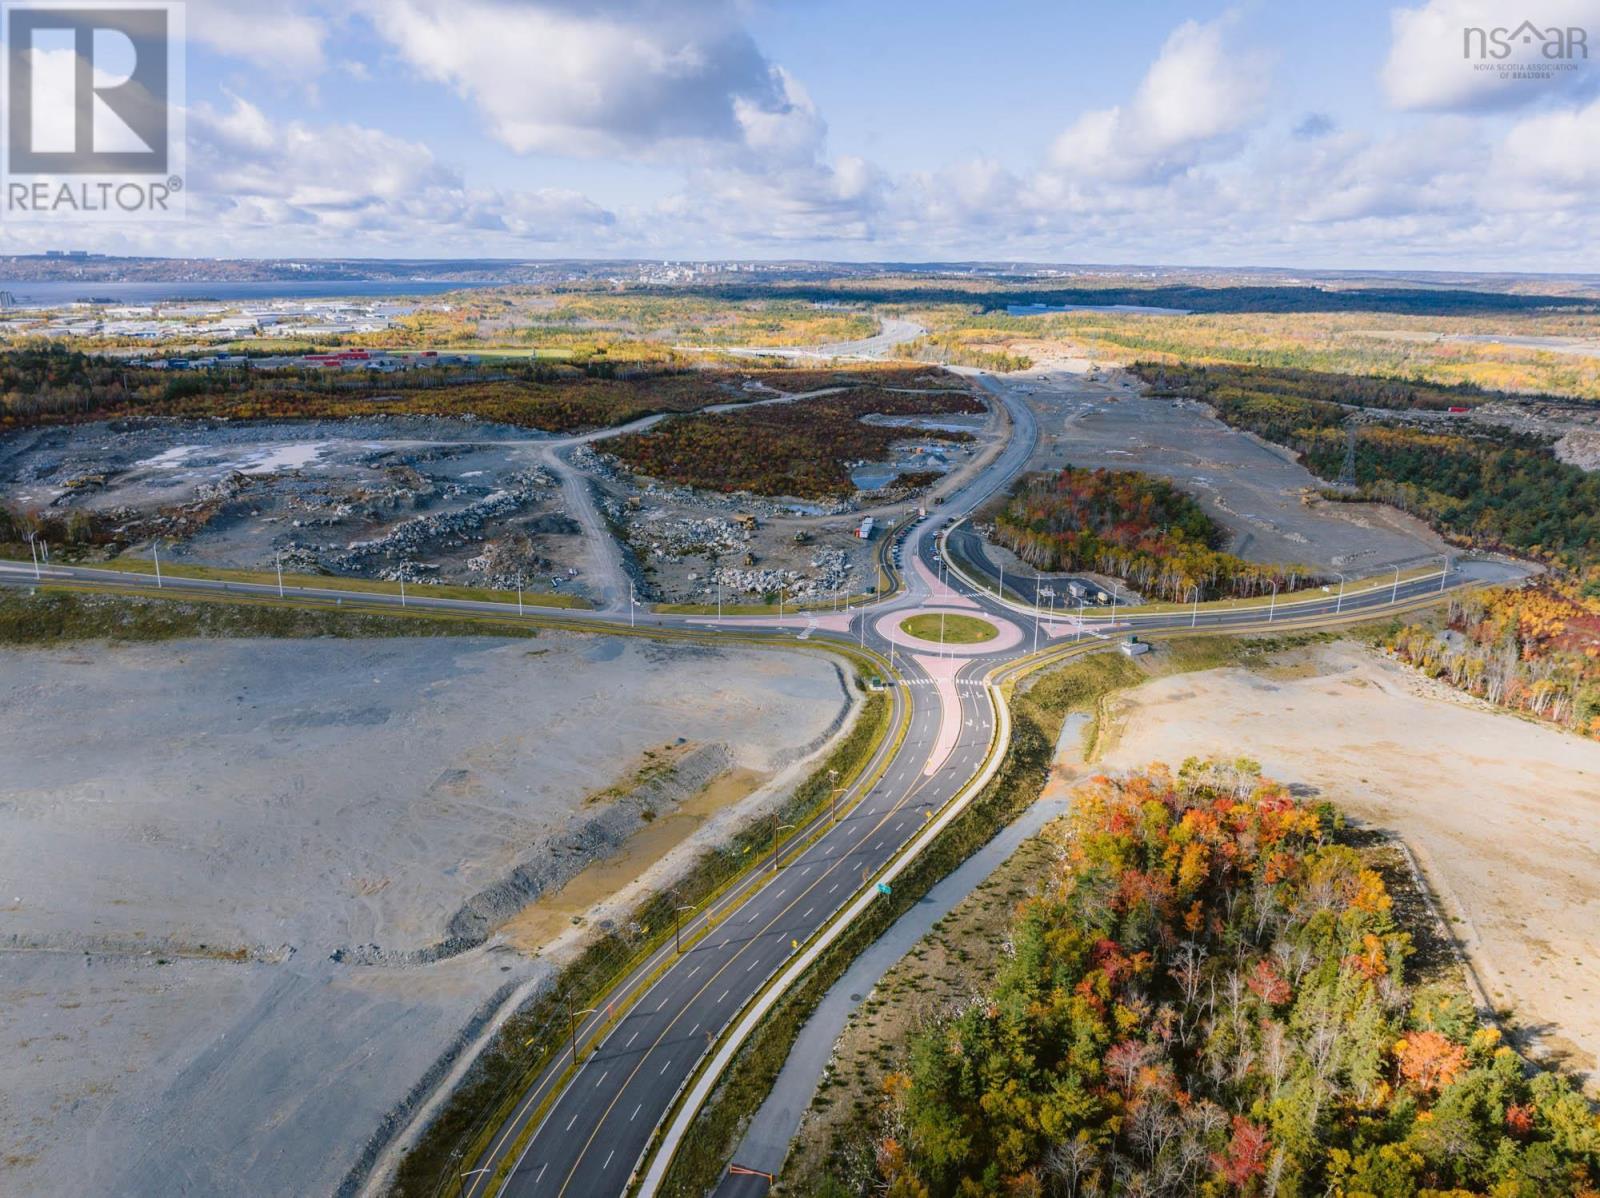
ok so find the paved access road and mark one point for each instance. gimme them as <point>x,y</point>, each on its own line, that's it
<point>585,1133</point>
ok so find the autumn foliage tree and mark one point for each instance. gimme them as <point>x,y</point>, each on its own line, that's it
<point>1209,998</point>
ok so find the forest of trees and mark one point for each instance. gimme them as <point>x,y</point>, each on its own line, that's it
<point>1534,650</point>
<point>1492,488</point>
<point>802,450</point>
<point>1209,997</point>
<point>58,386</point>
<point>1132,526</point>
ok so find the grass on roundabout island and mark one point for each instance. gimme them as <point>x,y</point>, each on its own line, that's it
<point>958,630</point>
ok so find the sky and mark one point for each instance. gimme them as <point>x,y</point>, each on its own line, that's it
<point>1293,134</point>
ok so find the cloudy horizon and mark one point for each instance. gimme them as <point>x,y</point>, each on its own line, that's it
<point>1215,135</point>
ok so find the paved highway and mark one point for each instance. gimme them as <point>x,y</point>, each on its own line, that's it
<point>586,1132</point>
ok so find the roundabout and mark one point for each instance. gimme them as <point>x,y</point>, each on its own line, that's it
<point>966,634</point>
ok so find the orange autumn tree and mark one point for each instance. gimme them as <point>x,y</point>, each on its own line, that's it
<point>1208,998</point>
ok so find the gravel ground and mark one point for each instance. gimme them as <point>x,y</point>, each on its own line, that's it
<point>1502,813</point>
<point>190,831</point>
<point>1252,489</point>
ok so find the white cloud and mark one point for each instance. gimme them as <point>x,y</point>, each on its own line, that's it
<point>1432,66</point>
<point>627,78</point>
<point>1549,162</point>
<point>1192,103</point>
<point>335,183</point>
<point>287,40</point>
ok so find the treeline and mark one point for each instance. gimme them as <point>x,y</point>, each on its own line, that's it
<point>949,350</point>
<point>1132,526</point>
<point>1209,997</point>
<point>1491,488</point>
<point>56,386</point>
<point>801,449</point>
<point>1001,293</point>
<point>1532,650</point>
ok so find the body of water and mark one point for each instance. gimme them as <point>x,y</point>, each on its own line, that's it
<point>55,293</point>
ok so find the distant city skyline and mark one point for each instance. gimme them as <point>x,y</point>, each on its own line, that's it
<point>1369,137</point>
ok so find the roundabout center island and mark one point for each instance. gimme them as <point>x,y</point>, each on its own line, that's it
<point>949,628</point>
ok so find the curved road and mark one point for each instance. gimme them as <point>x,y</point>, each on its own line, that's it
<point>586,1133</point>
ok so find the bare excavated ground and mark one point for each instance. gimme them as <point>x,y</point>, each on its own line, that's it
<point>226,865</point>
<point>426,498</point>
<point>1098,417</point>
<point>1503,814</point>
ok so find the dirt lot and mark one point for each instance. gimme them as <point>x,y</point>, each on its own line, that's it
<point>430,499</point>
<point>226,864</point>
<point>1503,814</point>
<point>1097,417</point>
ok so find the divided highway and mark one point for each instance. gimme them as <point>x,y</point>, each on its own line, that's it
<point>585,1131</point>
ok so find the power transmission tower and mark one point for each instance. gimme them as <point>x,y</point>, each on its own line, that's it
<point>1347,476</point>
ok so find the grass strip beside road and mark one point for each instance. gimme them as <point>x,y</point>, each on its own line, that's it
<point>1038,712</point>
<point>421,590</point>
<point>55,614</point>
<point>478,1109</point>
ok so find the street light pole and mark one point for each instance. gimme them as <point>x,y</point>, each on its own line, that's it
<point>1394,595</point>
<point>573,1017</point>
<point>1272,611</point>
<point>1444,573</point>
<point>519,594</point>
<point>279,562</point>
<point>34,549</point>
<point>155,550</point>
<point>1196,620</point>
<point>1339,604</point>
<point>776,828</point>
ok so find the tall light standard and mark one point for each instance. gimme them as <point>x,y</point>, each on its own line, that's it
<point>677,919</point>
<point>834,775</point>
<point>1036,611</point>
<point>155,551</point>
<point>719,600</point>
<point>1394,595</point>
<point>1194,622</point>
<point>278,560</point>
<point>633,601</point>
<point>572,1019</point>
<point>519,594</point>
<point>1080,617</point>
<point>1338,605</point>
<point>1444,573</point>
<point>1273,610</point>
<point>776,828</point>
<point>34,549</point>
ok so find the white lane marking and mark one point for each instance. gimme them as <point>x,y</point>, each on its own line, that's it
<point>539,1176</point>
<point>636,1111</point>
<point>609,1155</point>
<point>807,912</point>
<point>574,1120</point>
<point>665,1067</point>
<point>722,996</point>
<point>631,1039</point>
<point>694,971</point>
<point>603,1077</point>
<point>832,888</point>
<point>750,966</point>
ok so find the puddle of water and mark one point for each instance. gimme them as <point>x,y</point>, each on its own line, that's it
<point>537,924</point>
